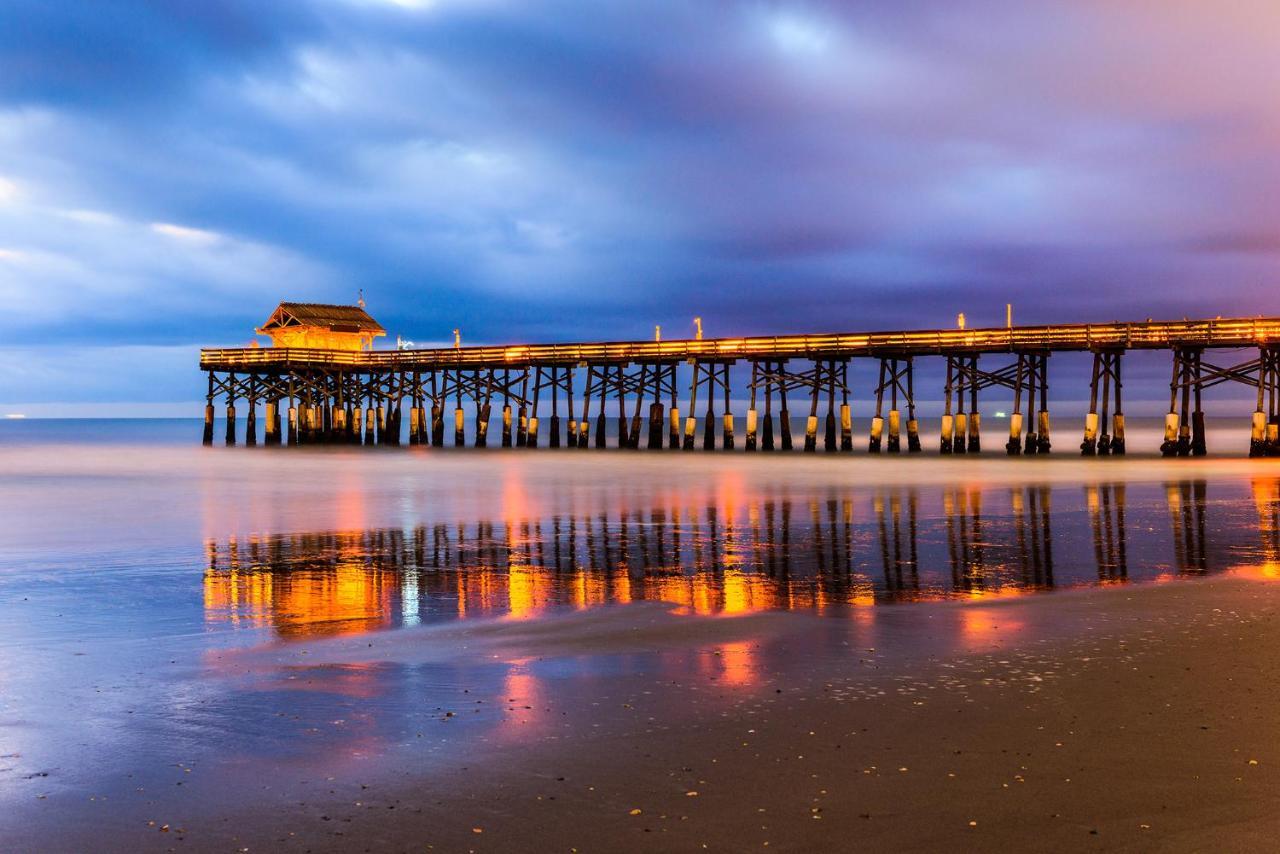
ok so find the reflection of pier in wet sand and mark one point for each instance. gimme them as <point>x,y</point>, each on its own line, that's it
<point>775,551</point>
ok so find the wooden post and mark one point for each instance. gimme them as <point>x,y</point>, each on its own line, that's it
<point>624,432</point>
<point>691,422</point>
<point>877,420</point>
<point>784,414</point>
<point>1258,432</point>
<point>415,414</point>
<point>1118,419</point>
<point>1089,447</point>
<point>251,416</point>
<point>1169,447</point>
<point>846,414</point>
<point>231,409</point>
<point>531,440</point>
<point>656,414</point>
<point>709,423</point>
<point>975,417</point>
<point>673,415</point>
<point>633,433</point>
<point>1014,445</point>
<point>829,444</point>
<point>208,441</point>
<point>960,443</point>
<point>272,436</point>
<point>895,416</point>
<point>913,426</point>
<point>1043,445</point>
<point>948,421</point>
<point>1198,445</point>
<point>459,419</point>
<point>522,413</point>
<point>751,408</point>
<point>506,408</point>
<point>572,436</point>
<point>584,429</point>
<point>484,411</point>
<point>811,423</point>
<point>1104,421</point>
<point>766,435</point>
<point>437,412</point>
<point>1032,444</point>
<point>554,441</point>
<point>601,427</point>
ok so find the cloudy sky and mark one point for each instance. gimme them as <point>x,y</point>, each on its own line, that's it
<point>541,170</point>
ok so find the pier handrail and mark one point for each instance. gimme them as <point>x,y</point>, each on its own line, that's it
<point>1148,335</point>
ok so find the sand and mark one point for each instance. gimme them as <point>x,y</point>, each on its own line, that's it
<point>1135,717</point>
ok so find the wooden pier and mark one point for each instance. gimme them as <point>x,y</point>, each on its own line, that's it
<point>346,393</point>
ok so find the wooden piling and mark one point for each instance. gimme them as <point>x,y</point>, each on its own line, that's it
<point>784,414</point>
<point>673,413</point>
<point>601,440</point>
<point>554,439</point>
<point>231,422</point>
<point>208,439</point>
<point>251,422</point>
<point>272,430</point>
<point>895,416</point>
<point>709,422</point>
<point>846,414</point>
<point>975,417</point>
<point>506,409</point>
<point>766,433</point>
<point>484,411</point>
<point>913,426</point>
<point>522,421</point>
<point>750,444</point>
<point>634,432</point>
<point>948,420</point>
<point>656,413</point>
<point>531,440</point>
<point>691,422</point>
<point>1198,443</point>
<point>726,436</point>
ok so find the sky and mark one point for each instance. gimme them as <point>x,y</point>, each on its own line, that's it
<point>537,171</point>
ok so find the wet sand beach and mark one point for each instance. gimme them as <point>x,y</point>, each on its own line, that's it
<point>332,651</point>
<point>1102,719</point>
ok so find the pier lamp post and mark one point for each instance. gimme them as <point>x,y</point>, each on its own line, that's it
<point>457,339</point>
<point>697,325</point>
<point>657,333</point>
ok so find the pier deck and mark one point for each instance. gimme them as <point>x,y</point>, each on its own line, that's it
<point>357,396</point>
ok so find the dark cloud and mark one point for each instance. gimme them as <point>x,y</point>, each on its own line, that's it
<point>558,170</point>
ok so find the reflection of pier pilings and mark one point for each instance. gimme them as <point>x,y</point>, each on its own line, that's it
<point>899,555</point>
<point>1187,516</point>
<point>1266,499</point>
<point>1031,513</point>
<point>1110,540</point>
<point>963,509</point>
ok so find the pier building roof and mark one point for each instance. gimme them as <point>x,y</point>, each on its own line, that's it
<point>319,326</point>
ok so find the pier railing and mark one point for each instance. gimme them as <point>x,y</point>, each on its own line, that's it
<point>1151,335</point>
<point>349,397</point>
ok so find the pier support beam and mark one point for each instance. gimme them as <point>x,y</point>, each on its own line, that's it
<point>209,414</point>
<point>897,377</point>
<point>1262,438</point>
<point>1184,426</point>
<point>1104,390</point>
<point>272,430</point>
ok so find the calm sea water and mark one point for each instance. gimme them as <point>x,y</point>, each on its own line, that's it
<point>134,563</point>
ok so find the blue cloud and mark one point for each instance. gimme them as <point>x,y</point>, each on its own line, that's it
<point>553,170</point>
